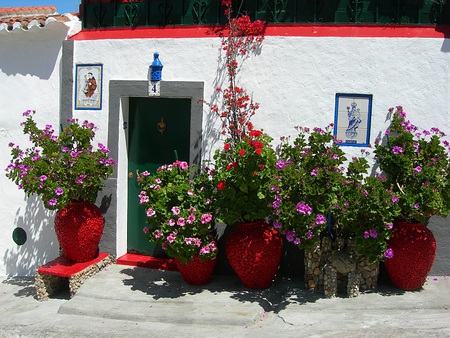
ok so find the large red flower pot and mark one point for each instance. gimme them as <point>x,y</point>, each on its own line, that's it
<point>79,228</point>
<point>414,248</point>
<point>254,252</point>
<point>196,271</point>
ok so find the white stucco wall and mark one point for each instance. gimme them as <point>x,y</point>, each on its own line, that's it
<point>29,79</point>
<point>294,79</point>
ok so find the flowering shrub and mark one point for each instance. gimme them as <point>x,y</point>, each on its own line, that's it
<point>242,176</point>
<point>62,168</point>
<point>417,167</point>
<point>307,184</point>
<point>365,211</point>
<point>315,194</point>
<point>179,211</point>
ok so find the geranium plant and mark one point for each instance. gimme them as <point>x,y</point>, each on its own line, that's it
<point>416,165</point>
<point>242,175</point>
<point>60,168</point>
<point>307,184</point>
<point>179,206</point>
<point>366,210</point>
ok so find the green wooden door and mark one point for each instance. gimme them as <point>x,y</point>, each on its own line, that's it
<point>159,133</point>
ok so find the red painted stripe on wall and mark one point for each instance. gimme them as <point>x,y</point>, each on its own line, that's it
<point>356,31</point>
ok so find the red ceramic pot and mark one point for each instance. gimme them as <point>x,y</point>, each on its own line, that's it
<point>254,252</point>
<point>196,272</point>
<point>414,248</point>
<point>79,228</point>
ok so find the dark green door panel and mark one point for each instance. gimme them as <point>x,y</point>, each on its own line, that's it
<point>159,133</point>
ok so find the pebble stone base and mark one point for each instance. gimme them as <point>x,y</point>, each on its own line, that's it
<point>47,284</point>
<point>320,275</point>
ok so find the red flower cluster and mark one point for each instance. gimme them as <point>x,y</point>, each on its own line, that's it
<point>221,185</point>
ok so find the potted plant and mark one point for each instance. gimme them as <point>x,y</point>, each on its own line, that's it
<point>179,206</point>
<point>305,191</point>
<point>366,212</point>
<point>243,171</point>
<point>244,164</point>
<point>67,173</point>
<point>416,166</point>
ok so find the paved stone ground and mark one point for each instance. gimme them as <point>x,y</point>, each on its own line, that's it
<point>123,301</point>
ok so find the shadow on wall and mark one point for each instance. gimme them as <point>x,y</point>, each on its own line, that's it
<point>446,31</point>
<point>30,53</point>
<point>441,231</point>
<point>41,245</point>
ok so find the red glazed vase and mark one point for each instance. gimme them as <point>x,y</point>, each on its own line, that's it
<point>254,252</point>
<point>414,248</point>
<point>196,272</point>
<point>79,228</point>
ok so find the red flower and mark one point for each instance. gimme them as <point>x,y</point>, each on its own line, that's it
<point>258,144</point>
<point>227,146</point>
<point>261,166</point>
<point>255,133</point>
<point>221,185</point>
<point>242,152</point>
<point>258,151</point>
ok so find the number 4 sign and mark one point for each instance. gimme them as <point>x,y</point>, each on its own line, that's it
<point>154,88</point>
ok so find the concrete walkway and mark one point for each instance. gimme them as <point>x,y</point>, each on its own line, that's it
<point>123,301</point>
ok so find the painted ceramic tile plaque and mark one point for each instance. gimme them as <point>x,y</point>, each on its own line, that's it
<point>88,86</point>
<point>352,117</point>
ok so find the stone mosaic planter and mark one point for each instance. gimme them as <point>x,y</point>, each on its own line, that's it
<point>332,266</point>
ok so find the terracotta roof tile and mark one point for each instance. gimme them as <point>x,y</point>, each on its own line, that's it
<point>12,18</point>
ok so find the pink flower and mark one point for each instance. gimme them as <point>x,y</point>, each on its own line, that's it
<point>304,209</point>
<point>176,210</point>
<point>52,202</point>
<point>181,222</point>
<point>205,250</point>
<point>150,212</point>
<point>191,219</point>
<point>171,237</point>
<point>143,199</point>
<point>206,218</point>
<point>397,150</point>
<point>320,219</point>
<point>197,242</point>
<point>389,253</point>
<point>277,225</point>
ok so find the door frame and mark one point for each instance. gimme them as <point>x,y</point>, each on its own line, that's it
<point>115,192</point>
